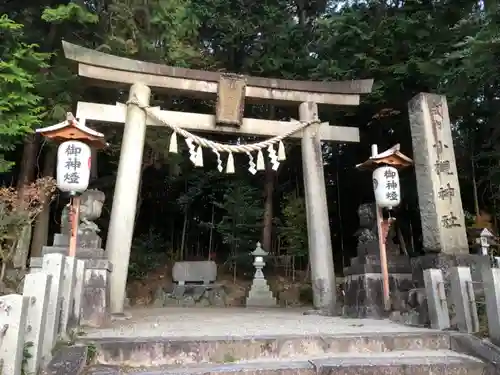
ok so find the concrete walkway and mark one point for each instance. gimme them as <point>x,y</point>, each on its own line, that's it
<point>239,322</point>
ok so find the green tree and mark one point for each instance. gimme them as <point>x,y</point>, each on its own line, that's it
<point>241,223</point>
<point>20,105</point>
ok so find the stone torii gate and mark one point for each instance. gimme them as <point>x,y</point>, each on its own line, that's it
<point>231,91</point>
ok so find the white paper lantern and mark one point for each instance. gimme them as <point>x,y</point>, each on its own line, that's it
<point>386,187</point>
<point>73,166</point>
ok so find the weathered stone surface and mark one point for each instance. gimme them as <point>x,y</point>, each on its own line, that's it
<point>445,262</point>
<point>491,280</point>
<point>476,347</point>
<point>441,211</point>
<point>84,241</point>
<point>363,285</point>
<point>67,293</point>
<point>68,361</point>
<point>436,299</point>
<point>95,295</point>
<point>364,294</point>
<point>13,316</point>
<point>53,264</point>
<point>78,293</point>
<point>162,351</point>
<point>463,299</point>
<point>423,364</point>
<point>81,252</point>
<point>197,271</point>
<point>37,287</point>
<point>415,311</point>
<point>95,299</point>
<point>191,296</point>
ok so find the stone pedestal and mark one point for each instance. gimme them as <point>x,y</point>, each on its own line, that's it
<point>94,308</point>
<point>363,285</point>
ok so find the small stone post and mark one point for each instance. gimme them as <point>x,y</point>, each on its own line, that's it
<point>68,288</point>
<point>260,295</point>
<point>13,314</point>
<point>52,264</point>
<point>491,283</point>
<point>121,224</point>
<point>37,288</point>
<point>436,299</point>
<point>78,291</point>
<point>318,224</point>
<point>464,301</point>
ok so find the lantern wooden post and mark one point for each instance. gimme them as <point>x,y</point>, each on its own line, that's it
<point>75,140</point>
<point>394,160</point>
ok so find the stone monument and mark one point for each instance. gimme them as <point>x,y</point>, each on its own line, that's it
<point>443,225</point>
<point>260,295</point>
<point>363,278</point>
<point>95,302</point>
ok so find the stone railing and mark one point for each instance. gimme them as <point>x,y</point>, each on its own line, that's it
<point>32,323</point>
<point>462,296</point>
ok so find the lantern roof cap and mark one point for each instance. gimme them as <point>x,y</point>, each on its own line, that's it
<point>392,157</point>
<point>486,233</point>
<point>71,129</point>
<point>259,251</point>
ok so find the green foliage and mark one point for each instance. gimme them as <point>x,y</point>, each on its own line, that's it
<point>20,106</point>
<point>294,227</point>
<point>241,223</point>
<point>149,251</point>
<point>69,12</point>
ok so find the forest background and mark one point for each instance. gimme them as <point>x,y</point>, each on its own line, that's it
<point>449,47</point>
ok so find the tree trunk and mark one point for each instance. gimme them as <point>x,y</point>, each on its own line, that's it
<point>28,163</point>
<point>182,253</point>
<point>267,230</point>
<point>41,232</point>
<point>26,176</point>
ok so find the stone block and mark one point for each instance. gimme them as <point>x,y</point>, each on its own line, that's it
<point>67,293</point>
<point>363,292</point>
<point>78,291</point>
<point>491,281</point>
<point>84,240</point>
<point>197,271</point>
<point>463,299</point>
<point>436,299</point>
<point>95,299</point>
<point>81,252</point>
<point>13,317</point>
<point>53,264</point>
<point>37,288</point>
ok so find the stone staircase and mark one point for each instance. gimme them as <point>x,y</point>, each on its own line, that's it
<point>369,354</point>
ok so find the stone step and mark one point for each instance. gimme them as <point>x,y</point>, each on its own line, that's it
<point>443,362</point>
<point>159,351</point>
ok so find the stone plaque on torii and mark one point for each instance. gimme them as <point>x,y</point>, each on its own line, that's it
<point>232,91</point>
